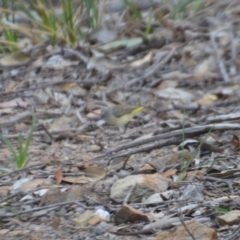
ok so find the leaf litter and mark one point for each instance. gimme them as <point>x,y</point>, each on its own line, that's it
<point>173,173</point>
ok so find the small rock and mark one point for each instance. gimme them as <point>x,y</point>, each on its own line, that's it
<point>102,228</point>
<point>230,218</point>
<point>198,230</point>
<point>129,214</point>
<point>94,148</point>
<point>146,185</point>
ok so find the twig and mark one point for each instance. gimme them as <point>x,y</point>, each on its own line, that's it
<point>177,133</point>
<point>176,106</point>
<point>183,223</point>
<point>149,71</point>
<point>224,117</point>
<point>129,193</point>
<point>220,64</point>
<point>235,235</point>
<point>22,170</point>
<point>152,146</point>
<point>47,132</point>
<point>38,209</point>
<point>83,206</point>
<point>19,192</point>
<point>85,82</point>
<point>18,118</point>
<point>228,182</point>
<point>125,162</point>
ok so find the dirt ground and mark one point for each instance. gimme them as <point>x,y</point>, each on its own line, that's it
<point>175,165</point>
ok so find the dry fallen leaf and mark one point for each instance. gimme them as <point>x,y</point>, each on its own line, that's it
<point>145,60</point>
<point>170,172</point>
<point>83,218</point>
<point>129,214</point>
<point>14,59</point>
<point>207,99</point>
<point>236,142</point>
<point>36,183</point>
<point>91,174</point>
<point>18,102</point>
<point>59,176</point>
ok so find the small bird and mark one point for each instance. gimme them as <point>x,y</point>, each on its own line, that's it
<point>120,115</point>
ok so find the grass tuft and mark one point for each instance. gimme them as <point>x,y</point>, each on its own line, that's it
<point>20,156</point>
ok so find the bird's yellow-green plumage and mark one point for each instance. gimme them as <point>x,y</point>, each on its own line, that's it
<point>120,115</point>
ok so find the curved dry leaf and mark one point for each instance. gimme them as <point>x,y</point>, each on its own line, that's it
<point>96,172</point>
<point>5,190</point>
<point>145,60</point>
<point>207,99</point>
<point>92,174</point>
<point>174,93</point>
<point>164,223</point>
<point>170,172</point>
<point>16,59</point>
<point>235,142</point>
<point>129,214</point>
<point>225,174</point>
<point>35,184</point>
<point>18,102</point>
<point>146,168</point>
<point>83,218</point>
<point>60,123</point>
<point>74,89</point>
<point>56,62</point>
<point>127,43</point>
<point>104,64</point>
<point>58,175</point>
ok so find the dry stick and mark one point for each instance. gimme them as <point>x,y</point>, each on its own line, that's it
<point>129,193</point>
<point>235,235</point>
<point>20,117</point>
<point>169,202</point>
<point>47,132</point>
<point>86,82</point>
<point>159,64</point>
<point>161,144</point>
<point>124,163</point>
<point>149,71</point>
<point>22,170</point>
<point>227,196</point>
<point>25,192</point>
<point>42,133</point>
<point>183,223</point>
<point>152,69</point>
<point>83,206</point>
<point>220,64</point>
<point>35,88</point>
<point>197,107</point>
<point>53,206</point>
<point>227,182</point>
<point>224,117</point>
<point>78,54</point>
<point>177,133</point>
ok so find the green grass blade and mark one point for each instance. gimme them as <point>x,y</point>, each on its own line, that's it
<point>93,14</point>
<point>9,34</point>
<point>135,10</point>
<point>29,138</point>
<point>68,14</point>
<point>20,160</point>
<point>180,8</point>
<point>10,146</point>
